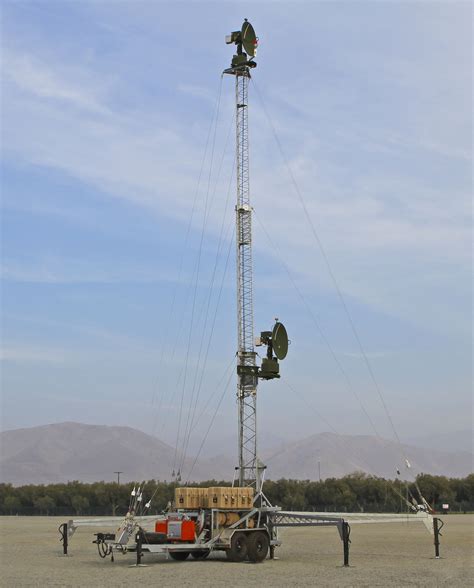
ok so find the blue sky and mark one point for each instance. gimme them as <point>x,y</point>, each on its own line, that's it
<point>106,109</point>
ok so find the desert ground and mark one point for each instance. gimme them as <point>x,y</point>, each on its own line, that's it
<point>381,555</point>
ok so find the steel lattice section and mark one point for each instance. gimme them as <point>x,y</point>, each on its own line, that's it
<point>292,519</point>
<point>247,384</point>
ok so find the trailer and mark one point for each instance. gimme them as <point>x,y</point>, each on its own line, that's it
<point>243,535</point>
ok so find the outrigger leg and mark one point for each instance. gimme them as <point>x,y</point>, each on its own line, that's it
<point>63,530</point>
<point>437,526</point>
<point>139,540</point>
<point>346,533</point>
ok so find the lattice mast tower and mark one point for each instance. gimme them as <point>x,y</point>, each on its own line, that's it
<point>247,379</point>
<point>247,370</point>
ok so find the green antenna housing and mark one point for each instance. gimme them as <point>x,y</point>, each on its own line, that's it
<point>246,42</point>
<point>277,344</point>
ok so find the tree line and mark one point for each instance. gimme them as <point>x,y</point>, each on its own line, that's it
<point>354,493</point>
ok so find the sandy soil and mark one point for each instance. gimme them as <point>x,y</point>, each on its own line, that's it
<point>381,555</point>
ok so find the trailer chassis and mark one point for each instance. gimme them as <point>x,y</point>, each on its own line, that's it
<point>266,520</point>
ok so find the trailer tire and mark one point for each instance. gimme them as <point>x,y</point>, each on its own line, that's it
<point>201,554</point>
<point>238,547</point>
<point>179,555</point>
<point>257,546</point>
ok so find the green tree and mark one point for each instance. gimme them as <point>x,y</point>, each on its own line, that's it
<point>11,504</point>
<point>111,496</point>
<point>435,489</point>
<point>45,504</point>
<point>79,503</point>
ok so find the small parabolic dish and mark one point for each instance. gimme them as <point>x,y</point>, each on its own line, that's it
<point>249,39</point>
<point>279,341</point>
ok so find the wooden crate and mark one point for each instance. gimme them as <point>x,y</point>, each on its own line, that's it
<point>245,497</point>
<point>214,497</point>
<point>203,494</point>
<point>225,497</point>
<point>220,497</point>
<point>234,497</point>
<point>187,498</point>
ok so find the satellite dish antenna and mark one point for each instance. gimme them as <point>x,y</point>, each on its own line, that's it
<point>249,39</point>
<point>246,42</point>
<point>279,341</point>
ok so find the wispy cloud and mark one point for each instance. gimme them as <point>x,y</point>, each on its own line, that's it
<point>36,78</point>
<point>197,92</point>
<point>31,354</point>
<point>70,271</point>
<point>151,161</point>
<point>130,156</point>
<point>368,354</point>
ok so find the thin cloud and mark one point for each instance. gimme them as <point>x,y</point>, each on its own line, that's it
<point>34,77</point>
<point>151,161</point>
<point>30,354</point>
<point>197,92</point>
<point>70,271</point>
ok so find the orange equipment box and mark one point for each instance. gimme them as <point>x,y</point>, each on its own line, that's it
<point>161,527</point>
<point>188,530</point>
<point>176,530</point>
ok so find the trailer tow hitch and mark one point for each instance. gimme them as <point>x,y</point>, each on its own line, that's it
<point>103,548</point>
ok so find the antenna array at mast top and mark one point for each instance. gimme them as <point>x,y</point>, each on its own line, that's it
<point>247,42</point>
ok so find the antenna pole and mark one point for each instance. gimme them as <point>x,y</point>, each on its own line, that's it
<point>246,356</point>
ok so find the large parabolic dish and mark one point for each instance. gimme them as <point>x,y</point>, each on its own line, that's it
<point>249,39</point>
<point>280,341</point>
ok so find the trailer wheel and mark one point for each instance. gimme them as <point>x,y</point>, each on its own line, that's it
<point>257,545</point>
<point>179,555</point>
<point>200,554</point>
<point>238,547</point>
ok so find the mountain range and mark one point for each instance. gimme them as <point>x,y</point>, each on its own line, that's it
<point>75,451</point>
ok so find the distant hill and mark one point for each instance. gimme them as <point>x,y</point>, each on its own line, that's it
<point>462,440</point>
<point>342,454</point>
<point>74,451</point>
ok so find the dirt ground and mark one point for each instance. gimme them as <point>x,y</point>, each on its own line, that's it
<point>381,555</point>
